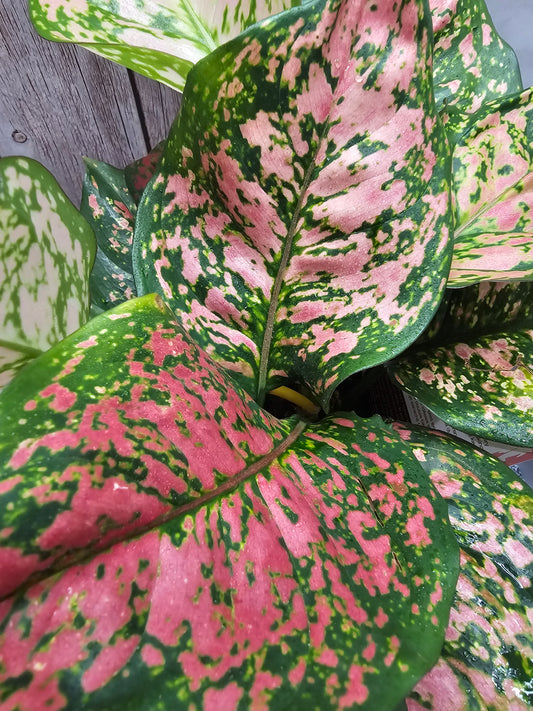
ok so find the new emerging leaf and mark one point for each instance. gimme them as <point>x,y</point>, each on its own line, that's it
<point>109,207</point>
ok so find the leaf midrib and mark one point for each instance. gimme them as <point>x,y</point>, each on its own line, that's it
<point>287,250</point>
<point>202,29</point>
<point>247,473</point>
<point>276,289</point>
<point>70,559</point>
<point>20,348</point>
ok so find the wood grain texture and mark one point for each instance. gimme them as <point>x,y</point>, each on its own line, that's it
<point>158,104</point>
<point>69,103</point>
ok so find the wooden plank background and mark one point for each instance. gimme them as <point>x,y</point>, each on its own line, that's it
<point>59,102</point>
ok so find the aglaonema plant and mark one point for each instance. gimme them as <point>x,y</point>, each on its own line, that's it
<point>168,542</point>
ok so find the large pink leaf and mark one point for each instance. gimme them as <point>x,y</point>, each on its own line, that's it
<point>216,557</point>
<point>299,222</point>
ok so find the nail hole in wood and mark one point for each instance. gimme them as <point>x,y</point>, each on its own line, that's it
<point>19,137</point>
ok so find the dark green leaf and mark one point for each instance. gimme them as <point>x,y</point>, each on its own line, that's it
<point>482,309</point>
<point>472,64</point>
<point>109,208</point>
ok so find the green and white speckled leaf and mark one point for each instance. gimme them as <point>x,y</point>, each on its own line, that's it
<point>493,187</point>
<point>472,64</point>
<point>46,252</point>
<point>161,39</point>
<point>476,374</point>
<point>300,228</point>
<point>109,208</point>
<point>487,659</point>
<point>216,557</point>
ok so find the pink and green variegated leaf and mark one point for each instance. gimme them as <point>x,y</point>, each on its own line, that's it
<point>482,309</point>
<point>472,64</point>
<point>483,385</point>
<point>493,186</point>
<point>46,252</point>
<point>139,173</point>
<point>157,38</point>
<point>109,208</point>
<point>301,233</point>
<point>213,557</point>
<point>475,371</point>
<point>487,659</point>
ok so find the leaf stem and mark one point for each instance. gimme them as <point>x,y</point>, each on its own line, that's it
<point>20,347</point>
<point>304,403</point>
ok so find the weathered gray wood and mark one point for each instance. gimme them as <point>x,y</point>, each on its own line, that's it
<point>159,104</point>
<point>64,102</point>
